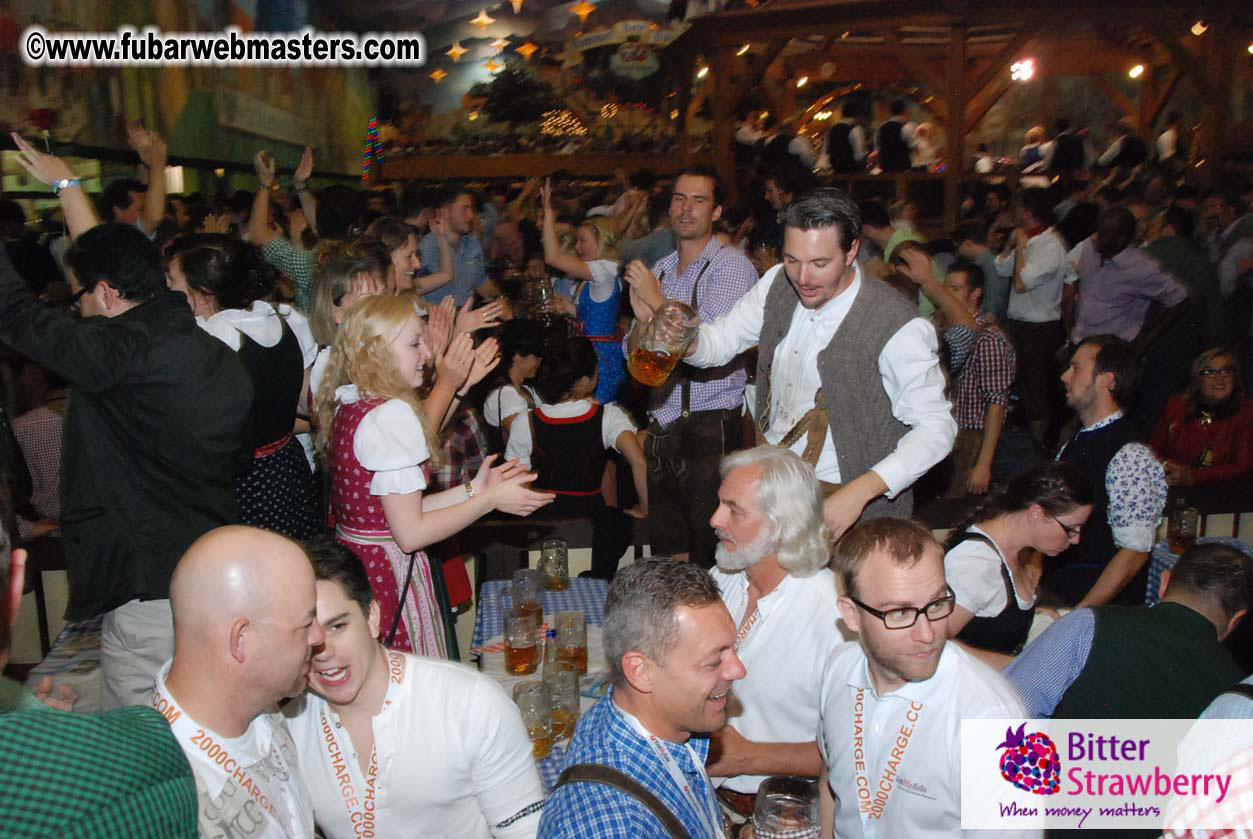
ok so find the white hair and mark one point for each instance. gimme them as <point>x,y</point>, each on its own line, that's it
<point>790,498</point>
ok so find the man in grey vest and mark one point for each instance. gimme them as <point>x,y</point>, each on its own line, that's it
<point>847,373</point>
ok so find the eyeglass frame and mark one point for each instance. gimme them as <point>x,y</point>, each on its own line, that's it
<point>1071,530</point>
<point>1215,372</point>
<point>75,300</point>
<point>951,598</point>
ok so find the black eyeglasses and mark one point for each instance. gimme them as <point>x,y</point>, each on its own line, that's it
<point>1215,372</point>
<point>904,617</point>
<point>73,303</point>
<point>1073,531</point>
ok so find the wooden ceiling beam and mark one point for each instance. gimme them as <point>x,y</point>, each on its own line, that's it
<point>1001,60</point>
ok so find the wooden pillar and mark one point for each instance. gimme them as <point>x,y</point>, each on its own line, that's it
<point>1219,71</point>
<point>683,85</point>
<point>1147,105</point>
<point>724,118</point>
<point>956,129</point>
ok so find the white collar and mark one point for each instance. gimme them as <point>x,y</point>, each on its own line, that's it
<point>921,691</point>
<point>1101,423</point>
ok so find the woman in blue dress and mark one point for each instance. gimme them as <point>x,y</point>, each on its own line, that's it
<point>597,297</point>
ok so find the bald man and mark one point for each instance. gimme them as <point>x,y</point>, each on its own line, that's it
<point>244,632</point>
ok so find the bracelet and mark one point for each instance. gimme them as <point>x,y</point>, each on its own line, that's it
<point>299,187</point>
<point>65,183</point>
<point>470,490</point>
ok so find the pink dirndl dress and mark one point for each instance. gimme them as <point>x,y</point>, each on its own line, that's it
<point>361,526</point>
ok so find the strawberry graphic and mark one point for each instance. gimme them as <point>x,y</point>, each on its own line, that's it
<point>1030,762</point>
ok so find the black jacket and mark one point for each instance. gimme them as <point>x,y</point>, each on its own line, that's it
<point>151,441</point>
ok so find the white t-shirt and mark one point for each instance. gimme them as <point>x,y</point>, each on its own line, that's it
<point>604,279</point>
<point>505,401</point>
<point>784,652</point>
<point>390,443</point>
<point>249,786</point>
<point>613,423</point>
<point>924,794</point>
<point>973,571</point>
<point>454,760</point>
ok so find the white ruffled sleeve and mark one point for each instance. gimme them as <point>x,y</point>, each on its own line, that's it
<point>390,443</point>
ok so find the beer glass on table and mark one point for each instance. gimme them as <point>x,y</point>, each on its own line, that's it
<point>521,649</point>
<point>787,808</point>
<point>528,588</point>
<point>563,688</point>
<point>1181,532</point>
<point>572,640</point>
<point>535,703</point>
<point>554,562</point>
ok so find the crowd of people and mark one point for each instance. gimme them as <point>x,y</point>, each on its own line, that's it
<point>259,436</point>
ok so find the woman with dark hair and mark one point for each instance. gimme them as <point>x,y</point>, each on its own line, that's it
<point>521,351</point>
<point>401,239</point>
<point>226,283</point>
<point>1205,434</point>
<point>566,439</point>
<point>1043,510</point>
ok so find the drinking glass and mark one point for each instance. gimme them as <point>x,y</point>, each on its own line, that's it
<point>528,587</point>
<point>554,561</point>
<point>563,688</point>
<point>535,703</point>
<point>572,640</point>
<point>521,651</point>
<point>787,808</point>
<point>1181,531</point>
<point>657,349</point>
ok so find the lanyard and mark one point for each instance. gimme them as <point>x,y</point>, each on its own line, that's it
<point>361,810</point>
<point>749,625</point>
<point>872,801</point>
<point>208,754</point>
<point>709,812</point>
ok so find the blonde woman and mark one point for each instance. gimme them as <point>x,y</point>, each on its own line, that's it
<point>377,443</point>
<point>597,297</point>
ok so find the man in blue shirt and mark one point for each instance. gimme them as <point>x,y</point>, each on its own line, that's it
<point>670,644</point>
<point>455,208</point>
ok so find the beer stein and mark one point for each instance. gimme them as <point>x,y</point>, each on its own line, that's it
<point>661,344</point>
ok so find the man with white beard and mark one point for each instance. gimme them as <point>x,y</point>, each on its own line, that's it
<point>772,553</point>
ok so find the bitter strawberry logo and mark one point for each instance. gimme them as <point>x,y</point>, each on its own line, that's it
<point>1030,762</point>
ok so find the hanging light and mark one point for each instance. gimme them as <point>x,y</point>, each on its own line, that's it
<point>499,44</point>
<point>1022,71</point>
<point>438,75</point>
<point>1198,28</point>
<point>742,49</point>
<point>527,50</point>
<point>456,51</point>
<point>702,72</point>
<point>1136,71</point>
<point>582,9</point>
<point>472,116</point>
<point>492,66</point>
<point>483,20</point>
<point>802,81</point>
<point>517,6</point>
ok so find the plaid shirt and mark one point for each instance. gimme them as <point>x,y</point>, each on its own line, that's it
<point>585,810</point>
<point>38,432</point>
<point>729,276</point>
<point>986,377</point>
<point>296,263</point>
<point>116,775</point>
<point>463,450</point>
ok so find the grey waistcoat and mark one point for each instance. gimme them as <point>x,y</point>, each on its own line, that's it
<point>859,412</point>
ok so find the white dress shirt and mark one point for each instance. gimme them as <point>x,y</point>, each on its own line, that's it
<point>784,653</point>
<point>1044,268</point>
<point>454,760</point>
<point>908,367</point>
<point>924,792</point>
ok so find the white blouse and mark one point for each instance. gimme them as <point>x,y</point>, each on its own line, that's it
<point>614,421</point>
<point>259,322</point>
<point>390,443</point>
<point>973,571</point>
<point>506,401</point>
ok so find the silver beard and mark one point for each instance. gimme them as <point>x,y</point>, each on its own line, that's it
<point>744,556</point>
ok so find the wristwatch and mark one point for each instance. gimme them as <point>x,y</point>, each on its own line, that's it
<point>65,183</point>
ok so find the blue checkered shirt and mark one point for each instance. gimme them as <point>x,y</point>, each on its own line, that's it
<point>1049,665</point>
<point>728,278</point>
<point>594,811</point>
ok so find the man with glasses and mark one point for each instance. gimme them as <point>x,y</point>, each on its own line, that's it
<point>1110,562</point>
<point>894,702</point>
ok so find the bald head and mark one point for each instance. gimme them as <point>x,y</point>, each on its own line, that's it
<point>244,629</point>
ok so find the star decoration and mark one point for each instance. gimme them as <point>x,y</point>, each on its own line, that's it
<point>484,20</point>
<point>499,44</point>
<point>582,9</point>
<point>492,66</point>
<point>438,75</point>
<point>456,51</point>
<point>527,50</point>
<point>517,6</point>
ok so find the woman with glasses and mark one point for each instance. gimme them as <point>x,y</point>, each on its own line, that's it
<point>1205,434</point>
<point>1041,510</point>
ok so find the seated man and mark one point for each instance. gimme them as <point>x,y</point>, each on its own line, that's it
<point>126,778</point>
<point>670,645</point>
<point>772,555</point>
<point>1165,661</point>
<point>900,695</point>
<point>456,756</point>
<point>244,632</point>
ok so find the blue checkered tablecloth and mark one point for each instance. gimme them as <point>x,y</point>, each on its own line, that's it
<point>585,595</point>
<point>551,766</point>
<point>1163,560</point>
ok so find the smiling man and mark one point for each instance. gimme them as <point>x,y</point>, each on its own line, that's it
<point>634,765</point>
<point>894,702</point>
<point>455,757</point>
<point>847,373</point>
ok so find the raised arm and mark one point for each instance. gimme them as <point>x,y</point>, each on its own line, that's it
<point>553,254</point>
<point>80,215</point>
<point>259,230</point>
<point>300,179</point>
<point>442,277</point>
<point>152,152</point>
<point>915,263</point>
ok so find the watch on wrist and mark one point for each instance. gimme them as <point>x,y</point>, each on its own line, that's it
<point>65,183</point>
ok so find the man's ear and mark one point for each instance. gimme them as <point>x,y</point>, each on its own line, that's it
<point>239,638</point>
<point>107,295</point>
<point>374,619</point>
<point>639,671</point>
<point>1233,623</point>
<point>853,250</point>
<point>717,213</point>
<point>850,613</point>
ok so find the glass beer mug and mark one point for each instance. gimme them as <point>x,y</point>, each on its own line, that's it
<point>662,343</point>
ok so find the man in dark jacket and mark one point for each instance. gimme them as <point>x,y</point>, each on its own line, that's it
<point>151,442</point>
